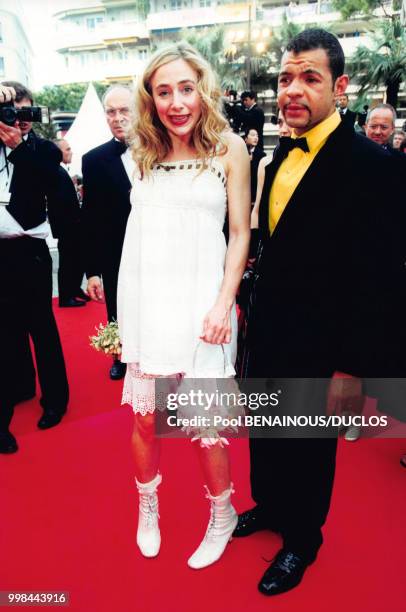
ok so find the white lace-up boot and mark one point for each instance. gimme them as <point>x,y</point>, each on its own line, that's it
<point>223,520</point>
<point>148,534</point>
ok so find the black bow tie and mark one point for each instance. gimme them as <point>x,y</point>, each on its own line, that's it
<point>286,144</point>
<point>121,147</point>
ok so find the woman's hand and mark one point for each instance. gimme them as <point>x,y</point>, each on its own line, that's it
<point>217,325</point>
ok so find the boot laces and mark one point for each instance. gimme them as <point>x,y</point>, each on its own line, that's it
<point>149,508</point>
<point>211,528</point>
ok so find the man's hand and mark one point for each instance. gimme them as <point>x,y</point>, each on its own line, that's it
<point>10,136</point>
<point>95,289</point>
<point>7,94</point>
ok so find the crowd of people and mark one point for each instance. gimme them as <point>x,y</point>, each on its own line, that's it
<point>329,292</point>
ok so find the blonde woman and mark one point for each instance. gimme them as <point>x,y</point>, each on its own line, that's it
<point>178,280</point>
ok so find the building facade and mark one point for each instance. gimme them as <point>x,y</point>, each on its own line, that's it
<point>15,48</point>
<point>100,41</point>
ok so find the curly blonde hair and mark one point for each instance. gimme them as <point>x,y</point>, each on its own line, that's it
<point>150,141</point>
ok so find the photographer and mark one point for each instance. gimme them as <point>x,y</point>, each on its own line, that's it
<point>28,176</point>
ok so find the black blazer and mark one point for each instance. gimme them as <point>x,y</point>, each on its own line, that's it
<point>35,177</point>
<point>64,210</point>
<point>254,119</point>
<point>105,209</point>
<point>349,117</point>
<point>331,292</point>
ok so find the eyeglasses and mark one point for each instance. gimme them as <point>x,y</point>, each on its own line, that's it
<point>112,112</point>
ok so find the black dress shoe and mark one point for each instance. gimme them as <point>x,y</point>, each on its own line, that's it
<point>285,572</point>
<point>50,418</point>
<point>71,303</point>
<point>117,370</point>
<point>249,522</point>
<point>8,443</point>
<point>83,296</point>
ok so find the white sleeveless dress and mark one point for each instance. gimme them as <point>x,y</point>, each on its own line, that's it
<point>171,271</point>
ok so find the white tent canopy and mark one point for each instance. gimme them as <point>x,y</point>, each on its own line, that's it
<point>89,129</point>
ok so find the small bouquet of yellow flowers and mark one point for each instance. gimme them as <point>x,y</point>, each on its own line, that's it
<point>107,339</point>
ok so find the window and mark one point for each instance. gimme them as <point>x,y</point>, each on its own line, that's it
<point>1,33</point>
<point>204,3</point>
<point>2,68</point>
<point>90,23</point>
<point>175,5</point>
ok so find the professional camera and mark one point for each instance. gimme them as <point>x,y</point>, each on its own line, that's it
<point>10,114</point>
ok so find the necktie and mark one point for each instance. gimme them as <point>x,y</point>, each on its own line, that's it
<point>121,147</point>
<point>286,144</point>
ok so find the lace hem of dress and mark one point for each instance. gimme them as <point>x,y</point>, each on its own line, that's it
<point>139,389</point>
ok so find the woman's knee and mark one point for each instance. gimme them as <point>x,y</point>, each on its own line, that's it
<point>144,425</point>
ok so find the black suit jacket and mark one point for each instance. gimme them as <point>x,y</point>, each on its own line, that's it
<point>64,208</point>
<point>349,117</point>
<point>331,292</point>
<point>254,119</point>
<point>35,178</point>
<point>105,209</point>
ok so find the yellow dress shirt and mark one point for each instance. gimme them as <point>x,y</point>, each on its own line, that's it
<point>293,168</point>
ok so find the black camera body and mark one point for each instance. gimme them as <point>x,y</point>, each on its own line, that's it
<point>10,114</point>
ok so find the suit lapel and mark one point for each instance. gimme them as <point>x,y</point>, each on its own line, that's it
<point>270,173</point>
<point>317,182</point>
<point>115,169</point>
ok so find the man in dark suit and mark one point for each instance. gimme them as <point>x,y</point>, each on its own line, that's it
<point>252,117</point>
<point>64,218</point>
<point>330,294</point>
<point>379,127</point>
<point>29,170</point>
<point>346,114</point>
<point>107,173</point>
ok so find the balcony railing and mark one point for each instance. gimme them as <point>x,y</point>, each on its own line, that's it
<point>70,35</point>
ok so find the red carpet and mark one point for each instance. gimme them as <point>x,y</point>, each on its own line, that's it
<point>68,513</point>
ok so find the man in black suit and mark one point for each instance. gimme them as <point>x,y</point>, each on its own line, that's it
<point>252,117</point>
<point>346,114</point>
<point>330,294</point>
<point>64,218</point>
<point>29,170</point>
<point>379,127</point>
<point>107,173</point>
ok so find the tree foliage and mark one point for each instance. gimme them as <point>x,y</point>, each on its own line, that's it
<point>212,45</point>
<point>384,63</point>
<point>143,8</point>
<point>66,97</point>
<point>265,69</point>
<point>232,67</point>
<point>349,8</point>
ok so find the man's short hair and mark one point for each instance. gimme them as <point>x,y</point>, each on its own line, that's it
<point>111,88</point>
<point>316,38</point>
<point>248,94</point>
<point>378,106</point>
<point>21,91</point>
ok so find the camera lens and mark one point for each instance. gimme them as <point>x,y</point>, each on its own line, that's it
<point>8,115</point>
